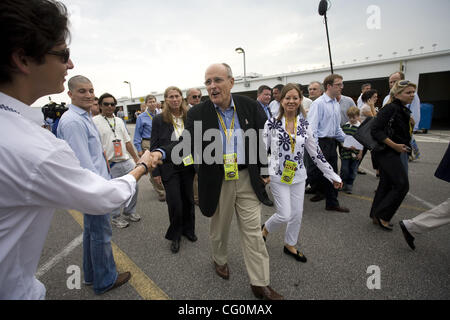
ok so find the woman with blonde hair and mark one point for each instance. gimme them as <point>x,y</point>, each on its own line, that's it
<point>392,128</point>
<point>177,179</point>
<point>287,136</point>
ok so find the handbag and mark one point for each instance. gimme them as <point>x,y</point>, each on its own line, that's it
<point>364,134</point>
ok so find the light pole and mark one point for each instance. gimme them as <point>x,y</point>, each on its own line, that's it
<point>323,8</point>
<point>240,50</point>
<point>131,95</point>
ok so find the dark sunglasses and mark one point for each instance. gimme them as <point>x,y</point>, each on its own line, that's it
<point>107,104</point>
<point>196,97</point>
<point>64,54</point>
<point>403,83</point>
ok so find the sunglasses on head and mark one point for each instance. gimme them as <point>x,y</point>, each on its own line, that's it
<point>108,104</point>
<point>64,54</point>
<point>403,83</point>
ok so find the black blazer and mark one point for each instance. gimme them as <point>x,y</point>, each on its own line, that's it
<point>443,171</point>
<point>210,176</point>
<point>161,136</point>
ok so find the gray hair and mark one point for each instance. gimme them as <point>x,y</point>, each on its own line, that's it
<point>191,89</point>
<point>320,85</point>
<point>229,71</point>
<point>76,80</point>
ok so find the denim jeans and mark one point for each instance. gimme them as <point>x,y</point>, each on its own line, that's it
<point>120,169</point>
<point>98,262</point>
<point>349,168</point>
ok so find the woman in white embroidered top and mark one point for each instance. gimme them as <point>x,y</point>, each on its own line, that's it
<point>286,137</point>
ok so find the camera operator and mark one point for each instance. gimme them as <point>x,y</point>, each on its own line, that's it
<point>52,114</point>
<point>40,172</point>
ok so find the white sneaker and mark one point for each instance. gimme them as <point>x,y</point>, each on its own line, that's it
<point>132,217</point>
<point>119,222</point>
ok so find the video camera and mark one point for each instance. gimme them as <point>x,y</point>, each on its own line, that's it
<point>53,110</point>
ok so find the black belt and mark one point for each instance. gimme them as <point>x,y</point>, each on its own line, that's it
<point>327,138</point>
<point>242,167</point>
<point>148,139</point>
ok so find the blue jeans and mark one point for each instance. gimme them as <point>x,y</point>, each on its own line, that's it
<point>118,170</point>
<point>349,168</point>
<point>98,261</point>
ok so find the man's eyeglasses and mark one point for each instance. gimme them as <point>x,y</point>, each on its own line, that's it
<point>340,85</point>
<point>64,54</point>
<point>109,104</point>
<point>196,97</point>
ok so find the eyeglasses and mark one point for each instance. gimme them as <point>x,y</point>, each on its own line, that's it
<point>109,104</point>
<point>197,97</point>
<point>64,54</point>
<point>340,85</point>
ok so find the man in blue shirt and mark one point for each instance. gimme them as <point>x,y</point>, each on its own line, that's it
<point>78,130</point>
<point>264,96</point>
<point>142,136</point>
<point>324,117</point>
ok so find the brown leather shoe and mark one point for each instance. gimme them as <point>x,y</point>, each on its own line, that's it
<point>222,271</point>
<point>338,209</point>
<point>122,278</point>
<point>266,293</point>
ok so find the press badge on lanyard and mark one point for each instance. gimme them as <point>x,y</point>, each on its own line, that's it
<point>230,166</point>
<point>117,148</point>
<point>188,160</point>
<point>289,172</point>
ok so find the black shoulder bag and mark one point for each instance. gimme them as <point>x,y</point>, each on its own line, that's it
<point>364,135</point>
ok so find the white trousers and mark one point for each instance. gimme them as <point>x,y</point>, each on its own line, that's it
<point>429,220</point>
<point>289,205</point>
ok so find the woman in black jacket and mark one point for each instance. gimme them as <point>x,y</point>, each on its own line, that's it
<point>177,179</point>
<point>392,127</point>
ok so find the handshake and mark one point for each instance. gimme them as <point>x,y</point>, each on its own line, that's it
<point>150,160</point>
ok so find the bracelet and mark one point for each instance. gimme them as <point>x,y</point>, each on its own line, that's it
<point>144,165</point>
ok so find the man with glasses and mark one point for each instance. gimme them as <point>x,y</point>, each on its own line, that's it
<point>142,137</point>
<point>120,154</point>
<point>325,118</point>
<point>193,97</point>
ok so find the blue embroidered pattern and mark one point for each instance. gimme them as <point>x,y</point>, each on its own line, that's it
<point>6,108</point>
<point>274,124</point>
<point>284,141</point>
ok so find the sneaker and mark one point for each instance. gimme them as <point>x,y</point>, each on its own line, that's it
<point>119,222</point>
<point>132,217</point>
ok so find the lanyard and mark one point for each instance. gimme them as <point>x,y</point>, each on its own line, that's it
<point>228,134</point>
<point>149,115</point>
<point>113,128</point>
<point>291,139</point>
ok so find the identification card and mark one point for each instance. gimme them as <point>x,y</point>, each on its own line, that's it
<point>289,172</point>
<point>117,148</point>
<point>189,160</point>
<point>230,167</point>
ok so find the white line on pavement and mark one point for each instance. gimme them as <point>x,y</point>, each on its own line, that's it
<point>56,259</point>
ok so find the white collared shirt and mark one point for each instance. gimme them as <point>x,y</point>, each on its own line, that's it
<point>105,127</point>
<point>277,139</point>
<point>38,174</point>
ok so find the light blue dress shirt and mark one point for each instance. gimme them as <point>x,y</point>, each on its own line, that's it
<point>79,131</point>
<point>324,118</point>
<point>143,128</point>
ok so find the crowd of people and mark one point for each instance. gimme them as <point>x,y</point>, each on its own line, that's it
<point>93,165</point>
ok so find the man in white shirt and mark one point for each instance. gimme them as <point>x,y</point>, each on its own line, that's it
<point>119,151</point>
<point>365,87</point>
<point>274,106</point>
<point>193,97</point>
<point>39,172</point>
<point>324,118</point>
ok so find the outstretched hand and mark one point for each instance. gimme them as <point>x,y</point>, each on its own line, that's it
<point>151,159</point>
<point>337,185</point>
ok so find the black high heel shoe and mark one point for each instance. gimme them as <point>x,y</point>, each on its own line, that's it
<point>298,256</point>
<point>382,226</point>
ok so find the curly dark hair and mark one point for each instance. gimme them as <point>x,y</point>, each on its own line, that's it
<point>33,26</point>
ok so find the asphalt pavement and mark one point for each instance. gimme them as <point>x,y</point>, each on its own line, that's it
<point>348,256</point>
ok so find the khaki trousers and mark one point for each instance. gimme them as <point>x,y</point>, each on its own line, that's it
<point>159,188</point>
<point>429,220</point>
<point>238,197</point>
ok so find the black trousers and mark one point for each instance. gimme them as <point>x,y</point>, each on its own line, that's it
<point>328,147</point>
<point>180,202</point>
<point>393,185</point>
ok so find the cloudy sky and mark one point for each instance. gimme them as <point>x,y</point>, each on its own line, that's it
<point>156,44</point>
